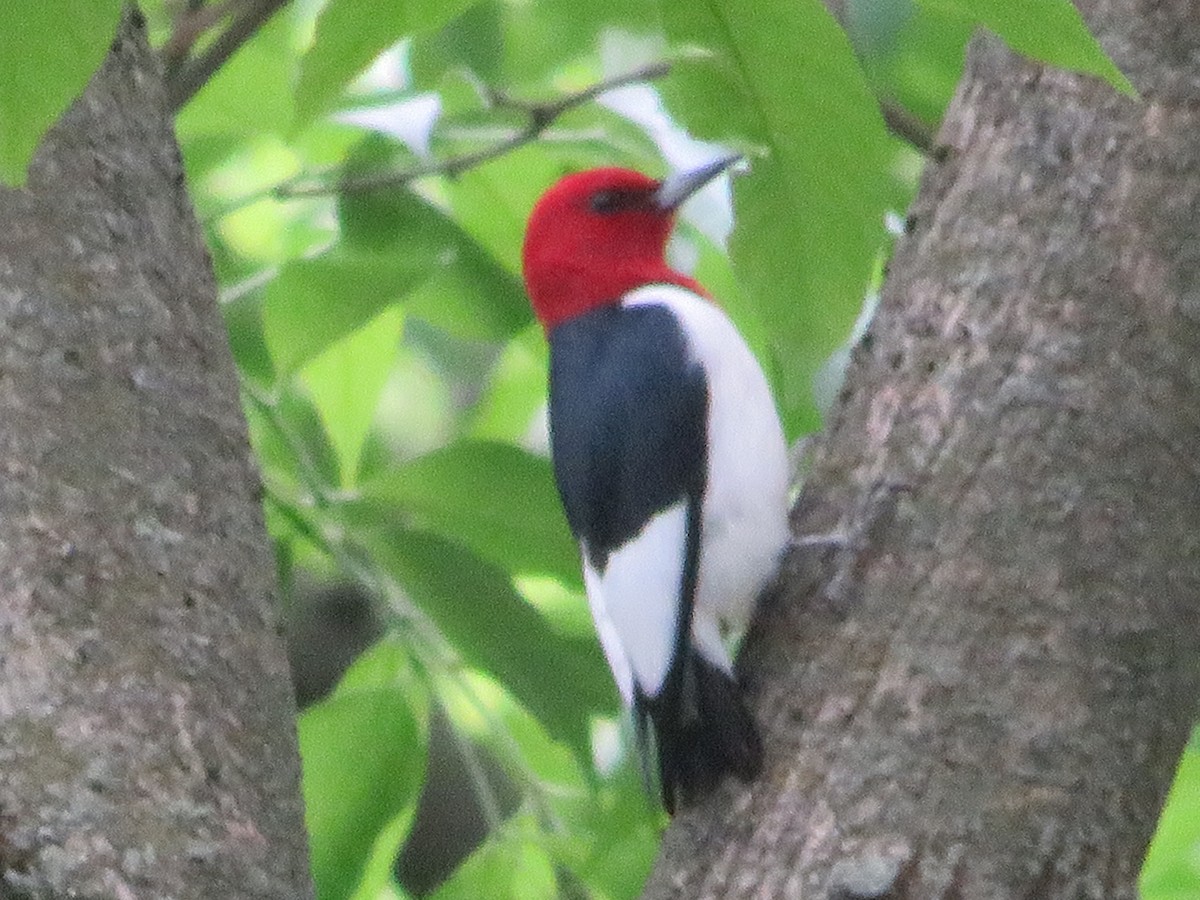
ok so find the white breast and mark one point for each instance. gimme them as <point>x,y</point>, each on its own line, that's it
<point>744,528</point>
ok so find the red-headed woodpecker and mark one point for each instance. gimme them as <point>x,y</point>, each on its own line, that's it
<point>669,459</point>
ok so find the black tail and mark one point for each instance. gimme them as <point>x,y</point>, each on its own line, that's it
<point>702,729</point>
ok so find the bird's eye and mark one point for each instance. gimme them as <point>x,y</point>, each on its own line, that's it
<point>606,202</point>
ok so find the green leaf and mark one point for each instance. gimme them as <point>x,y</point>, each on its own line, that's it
<point>1172,867</point>
<point>386,664</point>
<point>509,864</point>
<point>781,75</point>
<point>48,51</point>
<point>377,882</point>
<point>313,303</point>
<point>540,37</point>
<point>475,39</point>
<point>250,94</point>
<point>345,382</point>
<point>290,440</point>
<point>471,298</point>
<point>417,410</point>
<point>469,294</point>
<point>623,825</point>
<point>481,707</point>
<point>910,53</point>
<point>243,321</point>
<point>495,498</point>
<point>562,680</point>
<point>515,392</point>
<point>389,891</point>
<point>492,202</point>
<point>1049,30</point>
<point>363,756</point>
<point>350,34</point>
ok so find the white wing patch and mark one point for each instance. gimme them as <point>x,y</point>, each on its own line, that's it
<point>606,629</point>
<point>635,601</point>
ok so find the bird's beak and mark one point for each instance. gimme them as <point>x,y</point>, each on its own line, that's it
<point>674,189</point>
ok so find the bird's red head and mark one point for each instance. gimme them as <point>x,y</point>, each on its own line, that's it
<point>596,235</point>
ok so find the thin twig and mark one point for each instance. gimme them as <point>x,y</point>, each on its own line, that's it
<point>540,117</point>
<point>190,77</point>
<point>188,25</point>
<point>907,126</point>
<point>433,651</point>
<point>489,803</point>
<point>900,121</point>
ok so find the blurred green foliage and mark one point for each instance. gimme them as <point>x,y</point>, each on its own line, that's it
<point>48,51</point>
<point>1172,868</point>
<point>394,379</point>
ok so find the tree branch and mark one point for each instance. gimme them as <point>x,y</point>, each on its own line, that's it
<point>147,726</point>
<point>907,126</point>
<point>540,116</point>
<point>987,696</point>
<point>188,25</point>
<point>188,78</point>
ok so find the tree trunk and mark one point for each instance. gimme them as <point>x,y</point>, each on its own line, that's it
<point>985,693</point>
<point>147,747</point>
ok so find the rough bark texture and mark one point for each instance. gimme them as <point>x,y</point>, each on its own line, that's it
<point>146,739</point>
<point>986,693</point>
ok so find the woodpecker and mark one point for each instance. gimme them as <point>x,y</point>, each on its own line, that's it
<point>669,459</point>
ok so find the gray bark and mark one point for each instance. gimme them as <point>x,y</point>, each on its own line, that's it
<point>985,694</point>
<point>147,746</point>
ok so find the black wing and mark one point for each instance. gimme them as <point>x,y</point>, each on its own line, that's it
<point>628,422</point>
